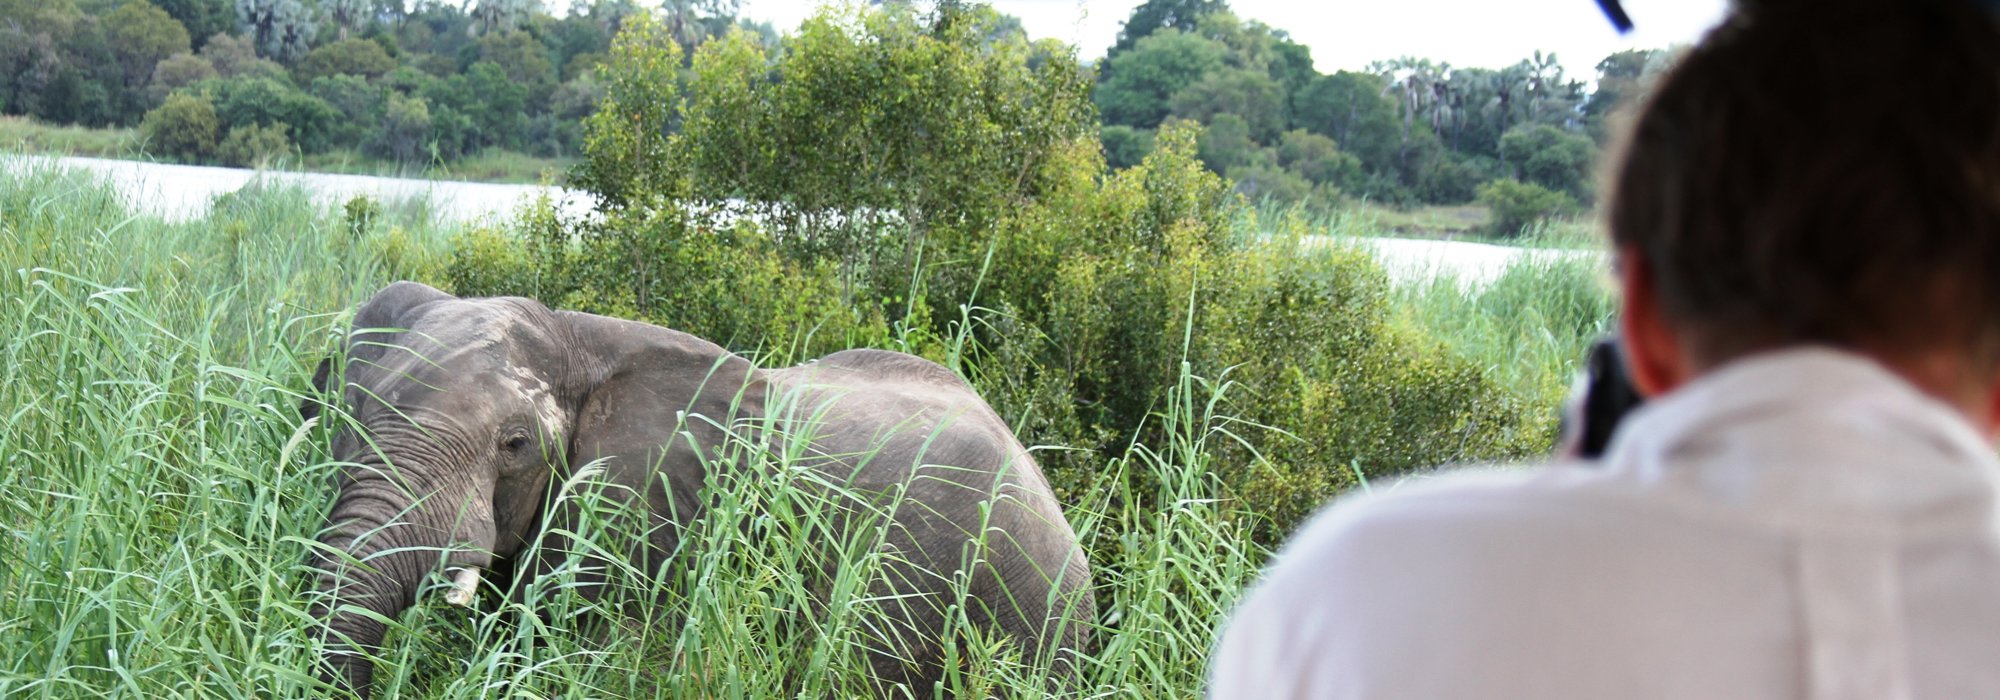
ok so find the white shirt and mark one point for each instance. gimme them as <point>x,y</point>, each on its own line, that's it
<point>1801,524</point>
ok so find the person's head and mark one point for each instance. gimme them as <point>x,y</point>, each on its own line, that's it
<point>1820,172</point>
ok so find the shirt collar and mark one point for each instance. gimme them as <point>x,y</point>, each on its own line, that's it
<point>1810,431</point>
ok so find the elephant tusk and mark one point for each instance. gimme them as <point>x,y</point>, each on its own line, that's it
<point>463,587</point>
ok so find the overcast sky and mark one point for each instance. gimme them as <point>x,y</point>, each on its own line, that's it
<point>1348,34</point>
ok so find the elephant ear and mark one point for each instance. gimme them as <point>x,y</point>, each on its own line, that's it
<point>376,320</point>
<point>386,314</point>
<point>656,410</point>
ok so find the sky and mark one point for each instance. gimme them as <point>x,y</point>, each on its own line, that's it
<point>1349,34</point>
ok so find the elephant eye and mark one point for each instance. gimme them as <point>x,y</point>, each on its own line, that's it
<point>516,441</point>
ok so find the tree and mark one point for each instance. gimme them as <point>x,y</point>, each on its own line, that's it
<point>345,14</point>
<point>1316,158</point>
<point>406,123</point>
<point>202,18</point>
<point>1226,144</point>
<point>625,148</point>
<point>359,103</point>
<point>1352,109</point>
<point>1552,99</point>
<point>1292,66</point>
<point>1143,80</point>
<point>1421,95</point>
<point>1154,16</point>
<point>682,21</point>
<point>1251,95</point>
<point>87,83</point>
<point>498,107</point>
<point>1550,157</point>
<point>502,15</point>
<point>1622,78</point>
<point>231,55</point>
<point>1125,146</point>
<point>270,101</point>
<point>524,60</point>
<point>185,125</point>
<point>178,71</point>
<point>281,30</point>
<point>358,57</point>
<point>142,35</point>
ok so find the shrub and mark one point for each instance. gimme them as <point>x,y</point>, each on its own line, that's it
<point>253,145</point>
<point>1265,182</point>
<point>1550,157</point>
<point>1076,300</point>
<point>1317,158</point>
<point>268,102</point>
<point>1517,204</point>
<point>359,214</point>
<point>1227,144</point>
<point>1453,179</point>
<point>184,126</point>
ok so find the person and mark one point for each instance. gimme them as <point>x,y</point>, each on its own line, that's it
<point>1806,230</point>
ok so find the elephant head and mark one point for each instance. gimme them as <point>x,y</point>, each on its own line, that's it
<point>458,413</point>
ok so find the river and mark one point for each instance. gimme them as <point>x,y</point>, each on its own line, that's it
<point>181,192</point>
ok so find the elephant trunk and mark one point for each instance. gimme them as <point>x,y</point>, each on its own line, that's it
<point>373,557</point>
<point>354,591</point>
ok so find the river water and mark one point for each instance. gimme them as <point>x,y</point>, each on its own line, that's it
<point>181,192</point>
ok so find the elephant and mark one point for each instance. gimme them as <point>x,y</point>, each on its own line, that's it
<point>464,415</point>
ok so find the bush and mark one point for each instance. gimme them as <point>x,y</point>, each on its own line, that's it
<point>183,126</point>
<point>1516,205</point>
<point>1264,182</point>
<point>253,145</point>
<point>1453,179</point>
<point>1076,301</point>
<point>270,102</point>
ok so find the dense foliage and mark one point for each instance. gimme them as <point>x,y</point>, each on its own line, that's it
<point>419,84</point>
<point>912,182</point>
<point>1406,131</point>
<point>432,83</point>
<point>1194,374</point>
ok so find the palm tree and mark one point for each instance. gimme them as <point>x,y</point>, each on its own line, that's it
<point>1421,90</point>
<point>683,22</point>
<point>345,14</point>
<point>501,15</point>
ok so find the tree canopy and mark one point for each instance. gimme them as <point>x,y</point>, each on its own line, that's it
<point>434,82</point>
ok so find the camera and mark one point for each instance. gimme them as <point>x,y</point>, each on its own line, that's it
<point>1603,396</point>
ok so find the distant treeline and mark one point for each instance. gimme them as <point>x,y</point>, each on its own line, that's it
<point>238,80</point>
<point>1404,131</point>
<point>216,80</point>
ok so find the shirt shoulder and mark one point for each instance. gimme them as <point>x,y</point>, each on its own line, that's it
<point>1486,572</point>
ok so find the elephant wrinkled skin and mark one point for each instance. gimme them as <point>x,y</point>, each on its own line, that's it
<point>462,413</point>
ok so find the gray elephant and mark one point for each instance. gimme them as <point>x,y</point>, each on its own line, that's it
<point>464,412</point>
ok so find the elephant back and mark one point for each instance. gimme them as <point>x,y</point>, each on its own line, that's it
<point>970,503</point>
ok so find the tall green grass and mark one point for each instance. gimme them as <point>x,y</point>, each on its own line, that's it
<point>1530,327</point>
<point>157,501</point>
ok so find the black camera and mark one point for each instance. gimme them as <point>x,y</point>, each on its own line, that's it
<point>1603,397</point>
